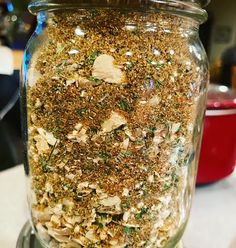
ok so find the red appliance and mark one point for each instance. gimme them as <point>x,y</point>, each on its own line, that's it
<point>218,152</point>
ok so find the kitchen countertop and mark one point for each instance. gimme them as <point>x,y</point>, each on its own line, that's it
<point>212,223</point>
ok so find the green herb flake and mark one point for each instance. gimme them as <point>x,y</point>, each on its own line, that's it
<point>141,213</point>
<point>131,65</point>
<point>158,84</point>
<point>104,155</point>
<point>174,178</point>
<point>151,130</point>
<point>45,163</point>
<point>93,57</point>
<point>100,225</point>
<point>95,81</point>
<point>150,62</point>
<point>91,246</point>
<point>101,105</point>
<point>129,230</point>
<point>93,13</point>
<point>45,166</point>
<point>60,49</point>
<point>78,198</point>
<point>81,112</point>
<point>117,218</point>
<point>166,187</point>
<point>68,186</point>
<point>170,61</point>
<point>126,154</point>
<point>139,142</point>
<point>144,210</point>
<point>160,65</point>
<point>125,206</point>
<point>61,64</point>
<point>124,105</point>
<point>94,130</point>
<point>58,89</point>
<point>155,64</point>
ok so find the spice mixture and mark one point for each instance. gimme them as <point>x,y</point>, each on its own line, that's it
<point>112,100</point>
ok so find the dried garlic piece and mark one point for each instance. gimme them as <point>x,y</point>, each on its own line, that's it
<point>154,101</point>
<point>41,144</point>
<point>51,140</point>
<point>111,201</point>
<point>105,69</point>
<point>79,134</point>
<point>157,140</point>
<point>115,121</point>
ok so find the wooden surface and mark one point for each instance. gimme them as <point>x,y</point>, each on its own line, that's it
<point>18,56</point>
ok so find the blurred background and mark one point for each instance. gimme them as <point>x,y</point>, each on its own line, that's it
<point>16,26</point>
<point>218,35</point>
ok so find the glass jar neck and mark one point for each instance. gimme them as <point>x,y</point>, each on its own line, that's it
<point>189,8</point>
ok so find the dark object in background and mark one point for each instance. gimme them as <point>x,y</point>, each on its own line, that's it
<point>228,60</point>
<point>205,31</point>
<point>10,131</point>
<point>218,152</point>
<point>10,139</point>
<point>25,26</point>
<point>223,34</point>
<point>16,27</point>
<point>6,22</point>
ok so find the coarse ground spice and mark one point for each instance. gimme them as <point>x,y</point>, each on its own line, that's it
<point>112,104</point>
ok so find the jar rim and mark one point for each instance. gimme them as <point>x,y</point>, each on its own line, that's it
<point>190,8</point>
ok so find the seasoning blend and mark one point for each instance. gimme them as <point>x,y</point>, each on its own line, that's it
<point>113,98</point>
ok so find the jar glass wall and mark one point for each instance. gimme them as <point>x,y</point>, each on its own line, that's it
<point>113,101</point>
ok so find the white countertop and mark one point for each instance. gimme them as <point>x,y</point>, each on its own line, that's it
<point>212,223</point>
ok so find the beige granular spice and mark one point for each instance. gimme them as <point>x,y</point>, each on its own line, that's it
<point>117,172</point>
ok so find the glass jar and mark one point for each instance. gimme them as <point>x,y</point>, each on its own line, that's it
<point>113,98</point>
